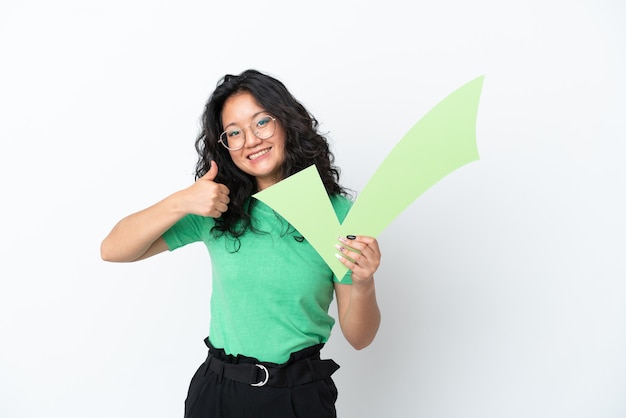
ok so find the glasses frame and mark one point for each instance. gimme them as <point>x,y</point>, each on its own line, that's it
<point>223,142</point>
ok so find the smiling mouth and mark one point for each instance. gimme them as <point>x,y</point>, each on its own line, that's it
<point>258,154</point>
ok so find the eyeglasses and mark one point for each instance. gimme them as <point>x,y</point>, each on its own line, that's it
<point>234,137</point>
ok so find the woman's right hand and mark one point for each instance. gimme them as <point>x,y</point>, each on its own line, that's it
<point>206,197</point>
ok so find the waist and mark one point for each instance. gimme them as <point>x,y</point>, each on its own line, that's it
<point>303,366</point>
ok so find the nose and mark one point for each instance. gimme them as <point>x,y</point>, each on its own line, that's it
<point>251,139</point>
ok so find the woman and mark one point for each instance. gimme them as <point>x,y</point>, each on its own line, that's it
<point>270,289</point>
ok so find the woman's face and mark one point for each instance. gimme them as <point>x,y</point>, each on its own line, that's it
<point>261,158</point>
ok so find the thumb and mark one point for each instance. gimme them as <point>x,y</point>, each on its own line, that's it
<point>212,173</point>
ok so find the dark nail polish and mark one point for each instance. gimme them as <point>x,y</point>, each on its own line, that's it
<point>351,236</point>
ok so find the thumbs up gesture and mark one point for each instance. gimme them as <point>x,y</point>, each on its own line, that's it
<point>206,197</point>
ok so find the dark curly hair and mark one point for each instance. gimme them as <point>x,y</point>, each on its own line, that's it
<point>304,145</point>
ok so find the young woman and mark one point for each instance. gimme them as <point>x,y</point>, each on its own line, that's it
<point>270,289</point>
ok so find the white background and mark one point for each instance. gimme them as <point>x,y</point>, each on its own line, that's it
<point>502,287</point>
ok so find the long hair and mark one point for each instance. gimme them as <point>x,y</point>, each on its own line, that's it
<point>304,145</point>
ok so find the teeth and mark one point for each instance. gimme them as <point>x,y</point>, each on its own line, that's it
<point>258,154</point>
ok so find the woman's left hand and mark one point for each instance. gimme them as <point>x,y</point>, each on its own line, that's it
<point>361,255</point>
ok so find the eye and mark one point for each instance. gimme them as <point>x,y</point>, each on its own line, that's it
<point>263,121</point>
<point>234,133</point>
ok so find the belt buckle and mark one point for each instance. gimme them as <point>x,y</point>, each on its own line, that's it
<point>267,376</point>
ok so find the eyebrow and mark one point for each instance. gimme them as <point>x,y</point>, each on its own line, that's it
<point>253,116</point>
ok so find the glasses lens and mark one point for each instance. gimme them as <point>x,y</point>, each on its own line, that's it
<point>233,138</point>
<point>264,127</point>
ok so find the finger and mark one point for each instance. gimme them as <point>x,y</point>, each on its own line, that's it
<point>362,239</point>
<point>223,198</point>
<point>348,262</point>
<point>352,242</point>
<point>347,249</point>
<point>217,210</point>
<point>351,254</point>
<point>221,207</point>
<point>223,189</point>
<point>215,214</point>
<point>361,243</point>
<point>212,173</point>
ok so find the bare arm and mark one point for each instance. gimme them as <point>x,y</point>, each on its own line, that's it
<point>359,315</point>
<point>138,236</point>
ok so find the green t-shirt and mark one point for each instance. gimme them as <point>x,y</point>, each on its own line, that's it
<point>270,297</point>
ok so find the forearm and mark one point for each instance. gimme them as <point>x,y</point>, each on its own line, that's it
<point>133,236</point>
<point>361,319</point>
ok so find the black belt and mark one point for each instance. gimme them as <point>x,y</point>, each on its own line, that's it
<point>288,375</point>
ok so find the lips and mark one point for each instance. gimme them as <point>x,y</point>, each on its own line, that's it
<point>259,153</point>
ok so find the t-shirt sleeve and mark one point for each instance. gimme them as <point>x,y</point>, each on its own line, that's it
<point>190,228</point>
<point>347,278</point>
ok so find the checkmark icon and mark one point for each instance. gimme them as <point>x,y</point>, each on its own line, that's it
<point>442,141</point>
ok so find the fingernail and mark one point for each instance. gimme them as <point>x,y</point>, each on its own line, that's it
<point>339,247</point>
<point>351,236</point>
<point>342,239</point>
<point>339,257</point>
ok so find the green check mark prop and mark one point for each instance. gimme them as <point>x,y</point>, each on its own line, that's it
<point>439,143</point>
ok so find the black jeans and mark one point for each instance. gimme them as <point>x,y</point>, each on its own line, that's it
<point>299,394</point>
